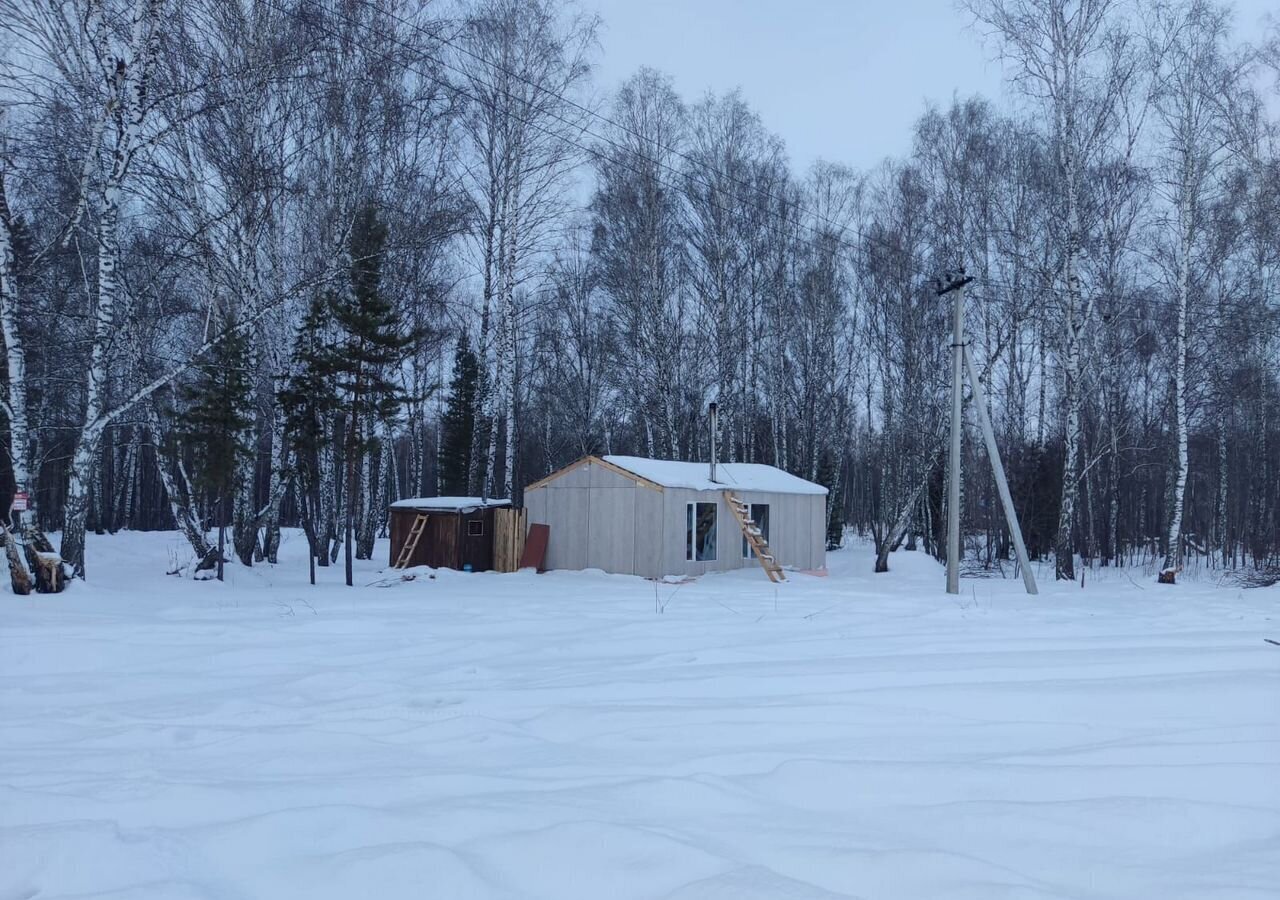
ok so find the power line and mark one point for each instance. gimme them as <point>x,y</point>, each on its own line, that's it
<point>594,113</point>
<point>695,163</point>
<point>860,233</point>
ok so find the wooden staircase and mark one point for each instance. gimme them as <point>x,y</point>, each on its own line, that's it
<point>411,542</point>
<point>755,539</point>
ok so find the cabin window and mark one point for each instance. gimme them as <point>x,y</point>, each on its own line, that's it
<point>475,528</point>
<point>759,515</point>
<point>700,533</point>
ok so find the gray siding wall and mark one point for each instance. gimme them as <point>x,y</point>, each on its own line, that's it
<point>818,552</point>
<point>795,533</point>
<point>598,520</point>
<point>651,533</point>
<point>602,520</point>
<point>611,540</point>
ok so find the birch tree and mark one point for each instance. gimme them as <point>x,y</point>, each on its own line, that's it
<point>521,64</point>
<point>123,66</point>
<point>1192,80</point>
<point>733,176</point>
<point>15,404</point>
<point>639,253</point>
<point>1073,59</point>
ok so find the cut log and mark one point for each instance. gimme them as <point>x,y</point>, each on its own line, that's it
<point>18,574</point>
<point>48,569</point>
<point>45,562</point>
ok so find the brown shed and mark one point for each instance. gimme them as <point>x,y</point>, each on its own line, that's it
<point>459,531</point>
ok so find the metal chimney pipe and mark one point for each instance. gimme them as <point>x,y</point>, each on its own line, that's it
<point>715,430</point>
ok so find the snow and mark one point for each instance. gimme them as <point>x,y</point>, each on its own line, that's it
<point>697,475</point>
<point>579,735</point>
<point>456,504</point>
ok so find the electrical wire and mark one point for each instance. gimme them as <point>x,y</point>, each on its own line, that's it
<point>694,162</point>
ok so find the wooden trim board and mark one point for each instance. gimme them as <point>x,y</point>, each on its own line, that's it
<point>602,463</point>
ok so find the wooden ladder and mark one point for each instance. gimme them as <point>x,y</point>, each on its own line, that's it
<point>411,542</point>
<point>755,539</point>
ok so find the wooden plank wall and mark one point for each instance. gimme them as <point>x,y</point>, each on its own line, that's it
<point>508,539</point>
<point>438,548</point>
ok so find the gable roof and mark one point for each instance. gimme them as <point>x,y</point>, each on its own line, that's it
<point>592,460</point>
<point>665,473</point>
<point>729,476</point>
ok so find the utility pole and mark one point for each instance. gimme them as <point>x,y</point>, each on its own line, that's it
<point>962,361</point>
<point>997,470</point>
<point>953,283</point>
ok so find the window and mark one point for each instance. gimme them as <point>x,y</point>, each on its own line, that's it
<point>475,528</point>
<point>700,535</point>
<point>759,515</point>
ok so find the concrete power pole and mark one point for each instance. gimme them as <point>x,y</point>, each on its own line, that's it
<point>954,284</point>
<point>997,470</point>
<point>962,361</point>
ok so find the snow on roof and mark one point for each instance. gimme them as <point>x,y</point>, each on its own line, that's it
<point>697,475</point>
<point>451,504</point>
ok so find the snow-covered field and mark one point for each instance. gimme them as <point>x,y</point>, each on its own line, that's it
<point>558,736</point>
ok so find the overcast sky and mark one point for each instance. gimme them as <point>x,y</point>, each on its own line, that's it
<point>838,79</point>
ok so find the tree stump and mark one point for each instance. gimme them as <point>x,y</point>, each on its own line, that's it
<point>48,569</point>
<point>1167,576</point>
<point>45,562</point>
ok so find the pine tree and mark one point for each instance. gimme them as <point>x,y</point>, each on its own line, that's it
<point>217,419</point>
<point>309,401</point>
<point>373,341</point>
<point>457,425</point>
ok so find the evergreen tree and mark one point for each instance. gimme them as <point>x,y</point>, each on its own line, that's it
<point>457,425</point>
<point>217,419</point>
<point>373,343</point>
<point>354,375</point>
<point>347,352</point>
<point>309,401</point>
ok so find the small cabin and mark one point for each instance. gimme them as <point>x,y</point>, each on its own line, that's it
<point>458,533</point>
<point>635,516</point>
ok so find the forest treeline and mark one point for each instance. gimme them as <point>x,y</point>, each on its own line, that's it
<point>282,262</point>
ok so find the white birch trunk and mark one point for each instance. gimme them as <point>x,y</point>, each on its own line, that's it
<point>508,347</point>
<point>1064,545</point>
<point>497,385</point>
<point>1173,547</point>
<point>476,472</point>
<point>390,480</point>
<point>82,473</point>
<point>127,78</point>
<point>186,518</point>
<point>366,526</point>
<point>279,466</point>
<point>495,395</point>
<point>16,401</point>
<point>330,497</point>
